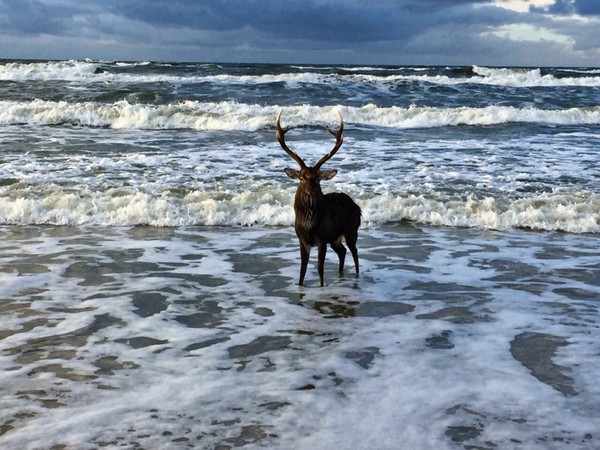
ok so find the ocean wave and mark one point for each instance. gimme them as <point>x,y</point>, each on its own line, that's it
<point>574,213</point>
<point>53,70</point>
<point>132,63</point>
<point>120,207</point>
<point>529,78</point>
<point>504,77</point>
<point>95,72</point>
<point>92,71</point>
<point>196,115</point>
<point>125,115</point>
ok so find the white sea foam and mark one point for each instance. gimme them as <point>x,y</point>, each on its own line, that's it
<point>508,79</point>
<point>199,337</point>
<point>90,71</point>
<point>546,212</point>
<point>529,78</point>
<point>273,207</point>
<point>467,177</point>
<point>491,76</point>
<point>87,71</point>
<point>251,117</point>
<point>55,70</point>
<point>133,64</point>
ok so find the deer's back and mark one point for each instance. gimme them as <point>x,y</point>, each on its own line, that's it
<point>344,212</point>
<point>326,220</point>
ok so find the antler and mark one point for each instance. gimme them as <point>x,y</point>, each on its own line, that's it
<point>281,139</point>
<point>338,143</point>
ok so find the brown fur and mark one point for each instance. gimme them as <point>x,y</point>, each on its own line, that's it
<point>323,219</point>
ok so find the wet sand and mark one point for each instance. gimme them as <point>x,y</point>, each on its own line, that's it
<point>173,338</point>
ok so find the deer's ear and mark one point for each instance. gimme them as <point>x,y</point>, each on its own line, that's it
<point>327,174</point>
<point>292,173</point>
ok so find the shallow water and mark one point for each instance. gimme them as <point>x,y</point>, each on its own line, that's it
<point>120,144</point>
<point>198,337</point>
<point>191,332</point>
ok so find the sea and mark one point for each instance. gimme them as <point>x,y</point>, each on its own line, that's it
<point>149,264</point>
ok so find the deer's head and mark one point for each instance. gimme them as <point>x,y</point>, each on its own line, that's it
<point>310,177</point>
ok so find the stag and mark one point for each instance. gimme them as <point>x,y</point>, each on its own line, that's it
<point>321,219</point>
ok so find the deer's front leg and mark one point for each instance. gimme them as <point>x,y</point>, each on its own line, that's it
<point>304,254</point>
<point>321,265</point>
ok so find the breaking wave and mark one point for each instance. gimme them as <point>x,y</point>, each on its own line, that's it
<point>532,77</point>
<point>575,213</point>
<point>196,115</point>
<point>98,71</point>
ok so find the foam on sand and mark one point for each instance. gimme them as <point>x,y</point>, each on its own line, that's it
<point>167,337</point>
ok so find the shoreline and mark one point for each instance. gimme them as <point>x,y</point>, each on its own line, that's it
<point>200,337</point>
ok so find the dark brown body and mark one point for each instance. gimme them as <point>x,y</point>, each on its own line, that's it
<point>321,219</point>
<point>326,219</point>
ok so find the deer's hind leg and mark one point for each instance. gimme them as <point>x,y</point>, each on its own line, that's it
<point>351,239</point>
<point>341,252</point>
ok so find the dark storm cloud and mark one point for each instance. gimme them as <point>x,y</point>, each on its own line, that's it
<point>587,7</point>
<point>337,21</point>
<point>334,21</point>
<point>32,17</point>
<point>582,7</point>
<point>353,31</point>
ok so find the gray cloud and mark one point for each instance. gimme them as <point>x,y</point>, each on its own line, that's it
<point>335,20</point>
<point>587,7</point>
<point>31,17</point>
<point>352,31</point>
<point>582,7</point>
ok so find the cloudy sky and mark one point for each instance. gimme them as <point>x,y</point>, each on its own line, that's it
<point>462,32</point>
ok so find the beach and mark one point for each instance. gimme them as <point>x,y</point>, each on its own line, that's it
<point>148,337</point>
<point>149,264</point>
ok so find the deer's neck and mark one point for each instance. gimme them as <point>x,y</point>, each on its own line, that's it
<point>309,208</point>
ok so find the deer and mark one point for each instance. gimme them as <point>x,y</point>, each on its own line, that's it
<point>321,219</point>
